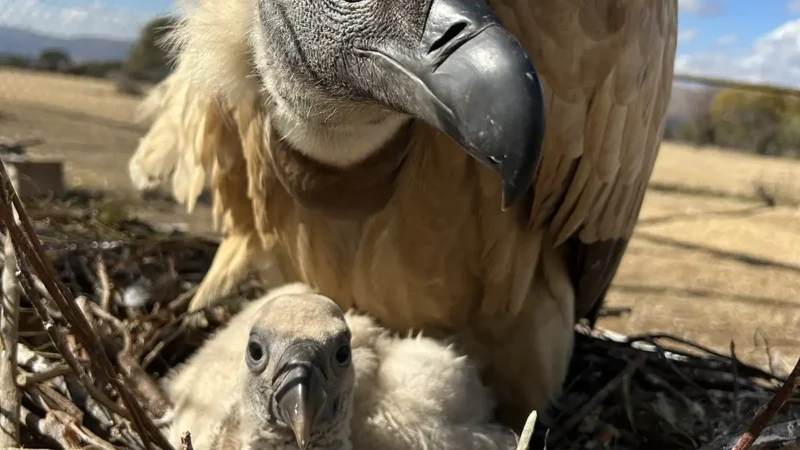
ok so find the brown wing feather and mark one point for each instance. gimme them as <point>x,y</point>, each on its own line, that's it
<point>607,69</point>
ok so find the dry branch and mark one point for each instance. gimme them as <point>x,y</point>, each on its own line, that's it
<point>186,441</point>
<point>9,336</point>
<point>598,398</point>
<point>766,415</point>
<point>30,251</point>
<point>50,427</point>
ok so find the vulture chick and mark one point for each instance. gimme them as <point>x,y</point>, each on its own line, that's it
<point>394,155</point>
<point>293,371</point>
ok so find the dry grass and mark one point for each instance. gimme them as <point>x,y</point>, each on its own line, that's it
<point>90,126</point>
<point>714,170</point>
<point>709,261</point>
<point>715,261</point>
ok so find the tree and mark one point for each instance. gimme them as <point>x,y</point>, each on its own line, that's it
<point>148,59</point>
<point>695,124</point>
<point>54,60</point>
<point>19,62</point>
<point>761,122</point>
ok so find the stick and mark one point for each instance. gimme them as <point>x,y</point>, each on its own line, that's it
<point>9,328</point>
<point>25,380</point>
<point>30,250</point>
<point>48,398</point>
<point>50,427</point>
<point>143,384</point>
<point>766,415</point>
<point>735,369</point>
<point>599,397</point>
<point>186,441</point>
<point>527,432</point>
<point>105,285</point>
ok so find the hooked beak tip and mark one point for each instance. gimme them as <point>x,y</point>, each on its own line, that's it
<point>299,403</point>
<point>302,433</point>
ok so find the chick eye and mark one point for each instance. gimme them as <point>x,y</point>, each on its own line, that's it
<point>256,355</point>
<point>343,354</point>
<point>255,352</point>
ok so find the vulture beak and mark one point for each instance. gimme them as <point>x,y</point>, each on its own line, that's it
<point>300,394</point>
<point>470,78</point>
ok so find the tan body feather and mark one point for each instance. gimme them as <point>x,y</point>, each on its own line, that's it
<point>439,255</point>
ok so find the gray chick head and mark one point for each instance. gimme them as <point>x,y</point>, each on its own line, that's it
<point>299,374</point>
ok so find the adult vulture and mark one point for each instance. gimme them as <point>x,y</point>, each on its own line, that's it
<point>394,155</point>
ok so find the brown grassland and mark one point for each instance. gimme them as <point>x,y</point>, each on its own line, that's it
<point>715,257</point>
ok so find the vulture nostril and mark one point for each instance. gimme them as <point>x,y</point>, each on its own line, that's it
<point>448,36</point>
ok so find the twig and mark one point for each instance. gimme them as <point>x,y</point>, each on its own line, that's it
<point>599,397</point>
<point>103,314</point>
<point>48,398</point>
<point>33,253</point>
<point>527,432</point>
<point>735,370</point>
<point>25,380</point>
<point>87,436</point>
<point>144,385</point>
<point>49,426</point>
<point>105,285</point>
<point>766,415</point>
<point>186,441</point>
<point>767,348</point>
<point>83,304</point>
<point>9,328</point>
<point>62,387</point>
<point>159,347</point>
<point>182,301</point>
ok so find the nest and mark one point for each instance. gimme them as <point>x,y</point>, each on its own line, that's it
<point>96,333</point>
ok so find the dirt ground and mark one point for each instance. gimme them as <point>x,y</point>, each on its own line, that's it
<point>710,261</point>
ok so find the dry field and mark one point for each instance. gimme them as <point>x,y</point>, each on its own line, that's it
<point>711,260</point>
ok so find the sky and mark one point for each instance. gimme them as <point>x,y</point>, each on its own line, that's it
<point>747,40</point>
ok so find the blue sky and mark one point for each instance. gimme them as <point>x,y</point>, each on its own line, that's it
<point>740,39</point>
<point>756,40</point>
<point>733,24</point>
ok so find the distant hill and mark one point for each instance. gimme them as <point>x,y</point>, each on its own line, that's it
<point>22,42</point>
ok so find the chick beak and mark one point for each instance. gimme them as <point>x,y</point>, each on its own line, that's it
<point>300,398</point>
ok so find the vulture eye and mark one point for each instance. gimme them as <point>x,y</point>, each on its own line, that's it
<point>256,355</point>
<point>343,354</point>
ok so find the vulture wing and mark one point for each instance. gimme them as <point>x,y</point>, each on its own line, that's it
<point>607,69</point>
<point>196,137</point>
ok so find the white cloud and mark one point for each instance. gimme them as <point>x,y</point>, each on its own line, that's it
<point>701,7</point>
<point>727,39</point>
<point>73,18</point>
<point>773,58</point>
<point>687,35</point>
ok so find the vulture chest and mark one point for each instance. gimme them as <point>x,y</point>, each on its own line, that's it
<point>397,236</point>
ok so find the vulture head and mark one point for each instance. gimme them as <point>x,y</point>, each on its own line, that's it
<point>299,375</point>
<point>345,76</point>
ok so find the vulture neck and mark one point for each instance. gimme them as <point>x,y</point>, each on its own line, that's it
<point>353,190</point>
